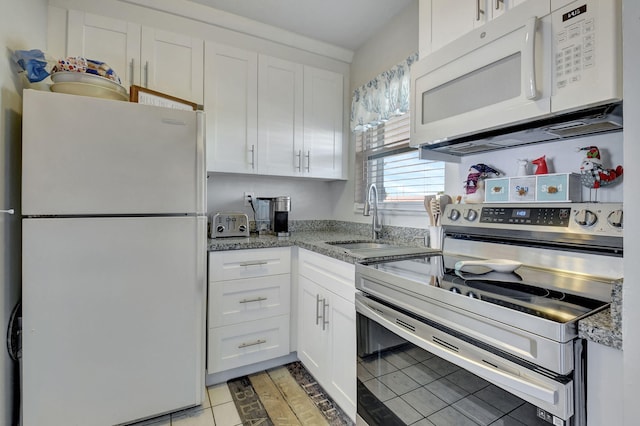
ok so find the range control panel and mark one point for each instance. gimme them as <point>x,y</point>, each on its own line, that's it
<point>539,216</point>
<point>587,218</point>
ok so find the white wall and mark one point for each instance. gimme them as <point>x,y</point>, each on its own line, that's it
<point>395,43</point>
<point>23,25</point>
<point>310,199</point>
<point>631,290</point>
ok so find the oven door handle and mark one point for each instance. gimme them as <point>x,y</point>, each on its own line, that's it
<point>480,367</point>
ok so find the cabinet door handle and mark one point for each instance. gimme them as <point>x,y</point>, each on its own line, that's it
<point>257,299</point>
<point>308,161</point>
<point>299,160</point>
<point>146,74</point>
<point>253,157</point>
<point>325,321</point>
<point>318,316</point>
<point>498,4</point>
<point>257,342</point>
<point>479,11</point>
<point>10,211</point>
<point>258,263</point>
<point>131,65</point>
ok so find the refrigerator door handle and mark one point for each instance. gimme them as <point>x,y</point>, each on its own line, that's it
<point>201,165</point>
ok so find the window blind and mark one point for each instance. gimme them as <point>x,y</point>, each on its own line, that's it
<point>383,157</point>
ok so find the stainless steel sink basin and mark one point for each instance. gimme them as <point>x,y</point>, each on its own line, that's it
<point>370,249</point>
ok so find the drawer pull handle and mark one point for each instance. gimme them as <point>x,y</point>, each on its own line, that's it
<point>257,342</point>
<point>318,316</point>
<point>253,263</point>
<point>325,321</point>
<point>257,299</point>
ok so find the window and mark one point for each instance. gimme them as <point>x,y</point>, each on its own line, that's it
<point>383,157</point>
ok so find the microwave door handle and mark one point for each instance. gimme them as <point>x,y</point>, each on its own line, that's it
<point>529,63</point>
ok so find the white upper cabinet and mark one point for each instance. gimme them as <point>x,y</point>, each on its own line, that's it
<point>159,60</point>
<point>270,116</point>
<point>173,64</point>
<point>105,39</point>
<point>280,96</point>
<point>231,105</point>
<point>441,22</point>
<point>322,148</point>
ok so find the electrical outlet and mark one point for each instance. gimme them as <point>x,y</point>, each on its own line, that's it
<point>248,196</point>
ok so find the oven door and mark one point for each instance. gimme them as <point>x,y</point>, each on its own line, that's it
<point>419,371</point>
<point>493,76</point>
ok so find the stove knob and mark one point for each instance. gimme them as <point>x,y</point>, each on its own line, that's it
<point>219,229</point>
<point>472,295</point>
<point>615,218</point>
<point>455,290</point>
<point>586,217</point>
<point>242,228</point>
<point>471,215</point>
<point>454,214</point>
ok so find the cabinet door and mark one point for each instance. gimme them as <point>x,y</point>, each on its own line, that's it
<point>109,40</point>
<point>323,110</point>
<point>279,116</point>
<point>231,103</point>
<point>312,340</point>
<point>448,22</point>
<point>172,64</point>
<point>341,365</point>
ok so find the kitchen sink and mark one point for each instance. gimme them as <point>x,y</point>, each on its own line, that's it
<point>371,249</point>
<point>357,245</point>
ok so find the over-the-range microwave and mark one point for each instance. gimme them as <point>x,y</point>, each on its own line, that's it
<point>543,71</point>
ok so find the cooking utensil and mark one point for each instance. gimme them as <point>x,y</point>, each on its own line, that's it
<point>427,206</point>
<point>444,200</point>
<point>498,265</point>
<point>435,210</point>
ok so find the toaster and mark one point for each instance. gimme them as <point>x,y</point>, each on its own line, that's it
<point>229,224</point>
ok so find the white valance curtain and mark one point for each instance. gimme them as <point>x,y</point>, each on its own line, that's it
<point>382,98</point>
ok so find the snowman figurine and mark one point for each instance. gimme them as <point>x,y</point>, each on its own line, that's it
<point>474,185</point>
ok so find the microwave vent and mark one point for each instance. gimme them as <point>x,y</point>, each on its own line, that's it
<point>585,129</point>
<point>589,121</point>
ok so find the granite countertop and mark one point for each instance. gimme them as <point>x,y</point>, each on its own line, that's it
<point>315,241</point>
<point>604,327</point>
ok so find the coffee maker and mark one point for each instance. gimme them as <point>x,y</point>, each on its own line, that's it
<point>272,215</point>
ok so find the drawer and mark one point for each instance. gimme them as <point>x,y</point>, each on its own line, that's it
<point>334,275</point>
<point>243,344</point>
<point>238,264</point>
<point>235,301</point>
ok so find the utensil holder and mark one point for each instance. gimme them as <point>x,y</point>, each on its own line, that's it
<point>436,236</point>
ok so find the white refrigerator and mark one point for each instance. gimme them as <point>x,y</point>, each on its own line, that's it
<point>113,259</point>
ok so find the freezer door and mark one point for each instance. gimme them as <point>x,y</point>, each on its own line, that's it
<point>86,155</point>
<point>113,318</point>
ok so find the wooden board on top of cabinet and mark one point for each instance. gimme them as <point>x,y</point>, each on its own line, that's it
<point>159,60</point>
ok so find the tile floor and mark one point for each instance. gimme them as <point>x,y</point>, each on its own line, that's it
<point>217,409</point>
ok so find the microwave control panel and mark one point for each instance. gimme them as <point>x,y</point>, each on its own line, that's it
<point>575,44</point>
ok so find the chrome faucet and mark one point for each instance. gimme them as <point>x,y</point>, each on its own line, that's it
<point>375,223</point>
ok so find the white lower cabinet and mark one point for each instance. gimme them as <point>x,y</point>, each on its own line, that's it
<point>327,325</point>
<point>249,306</point>
<point>248,342</point>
